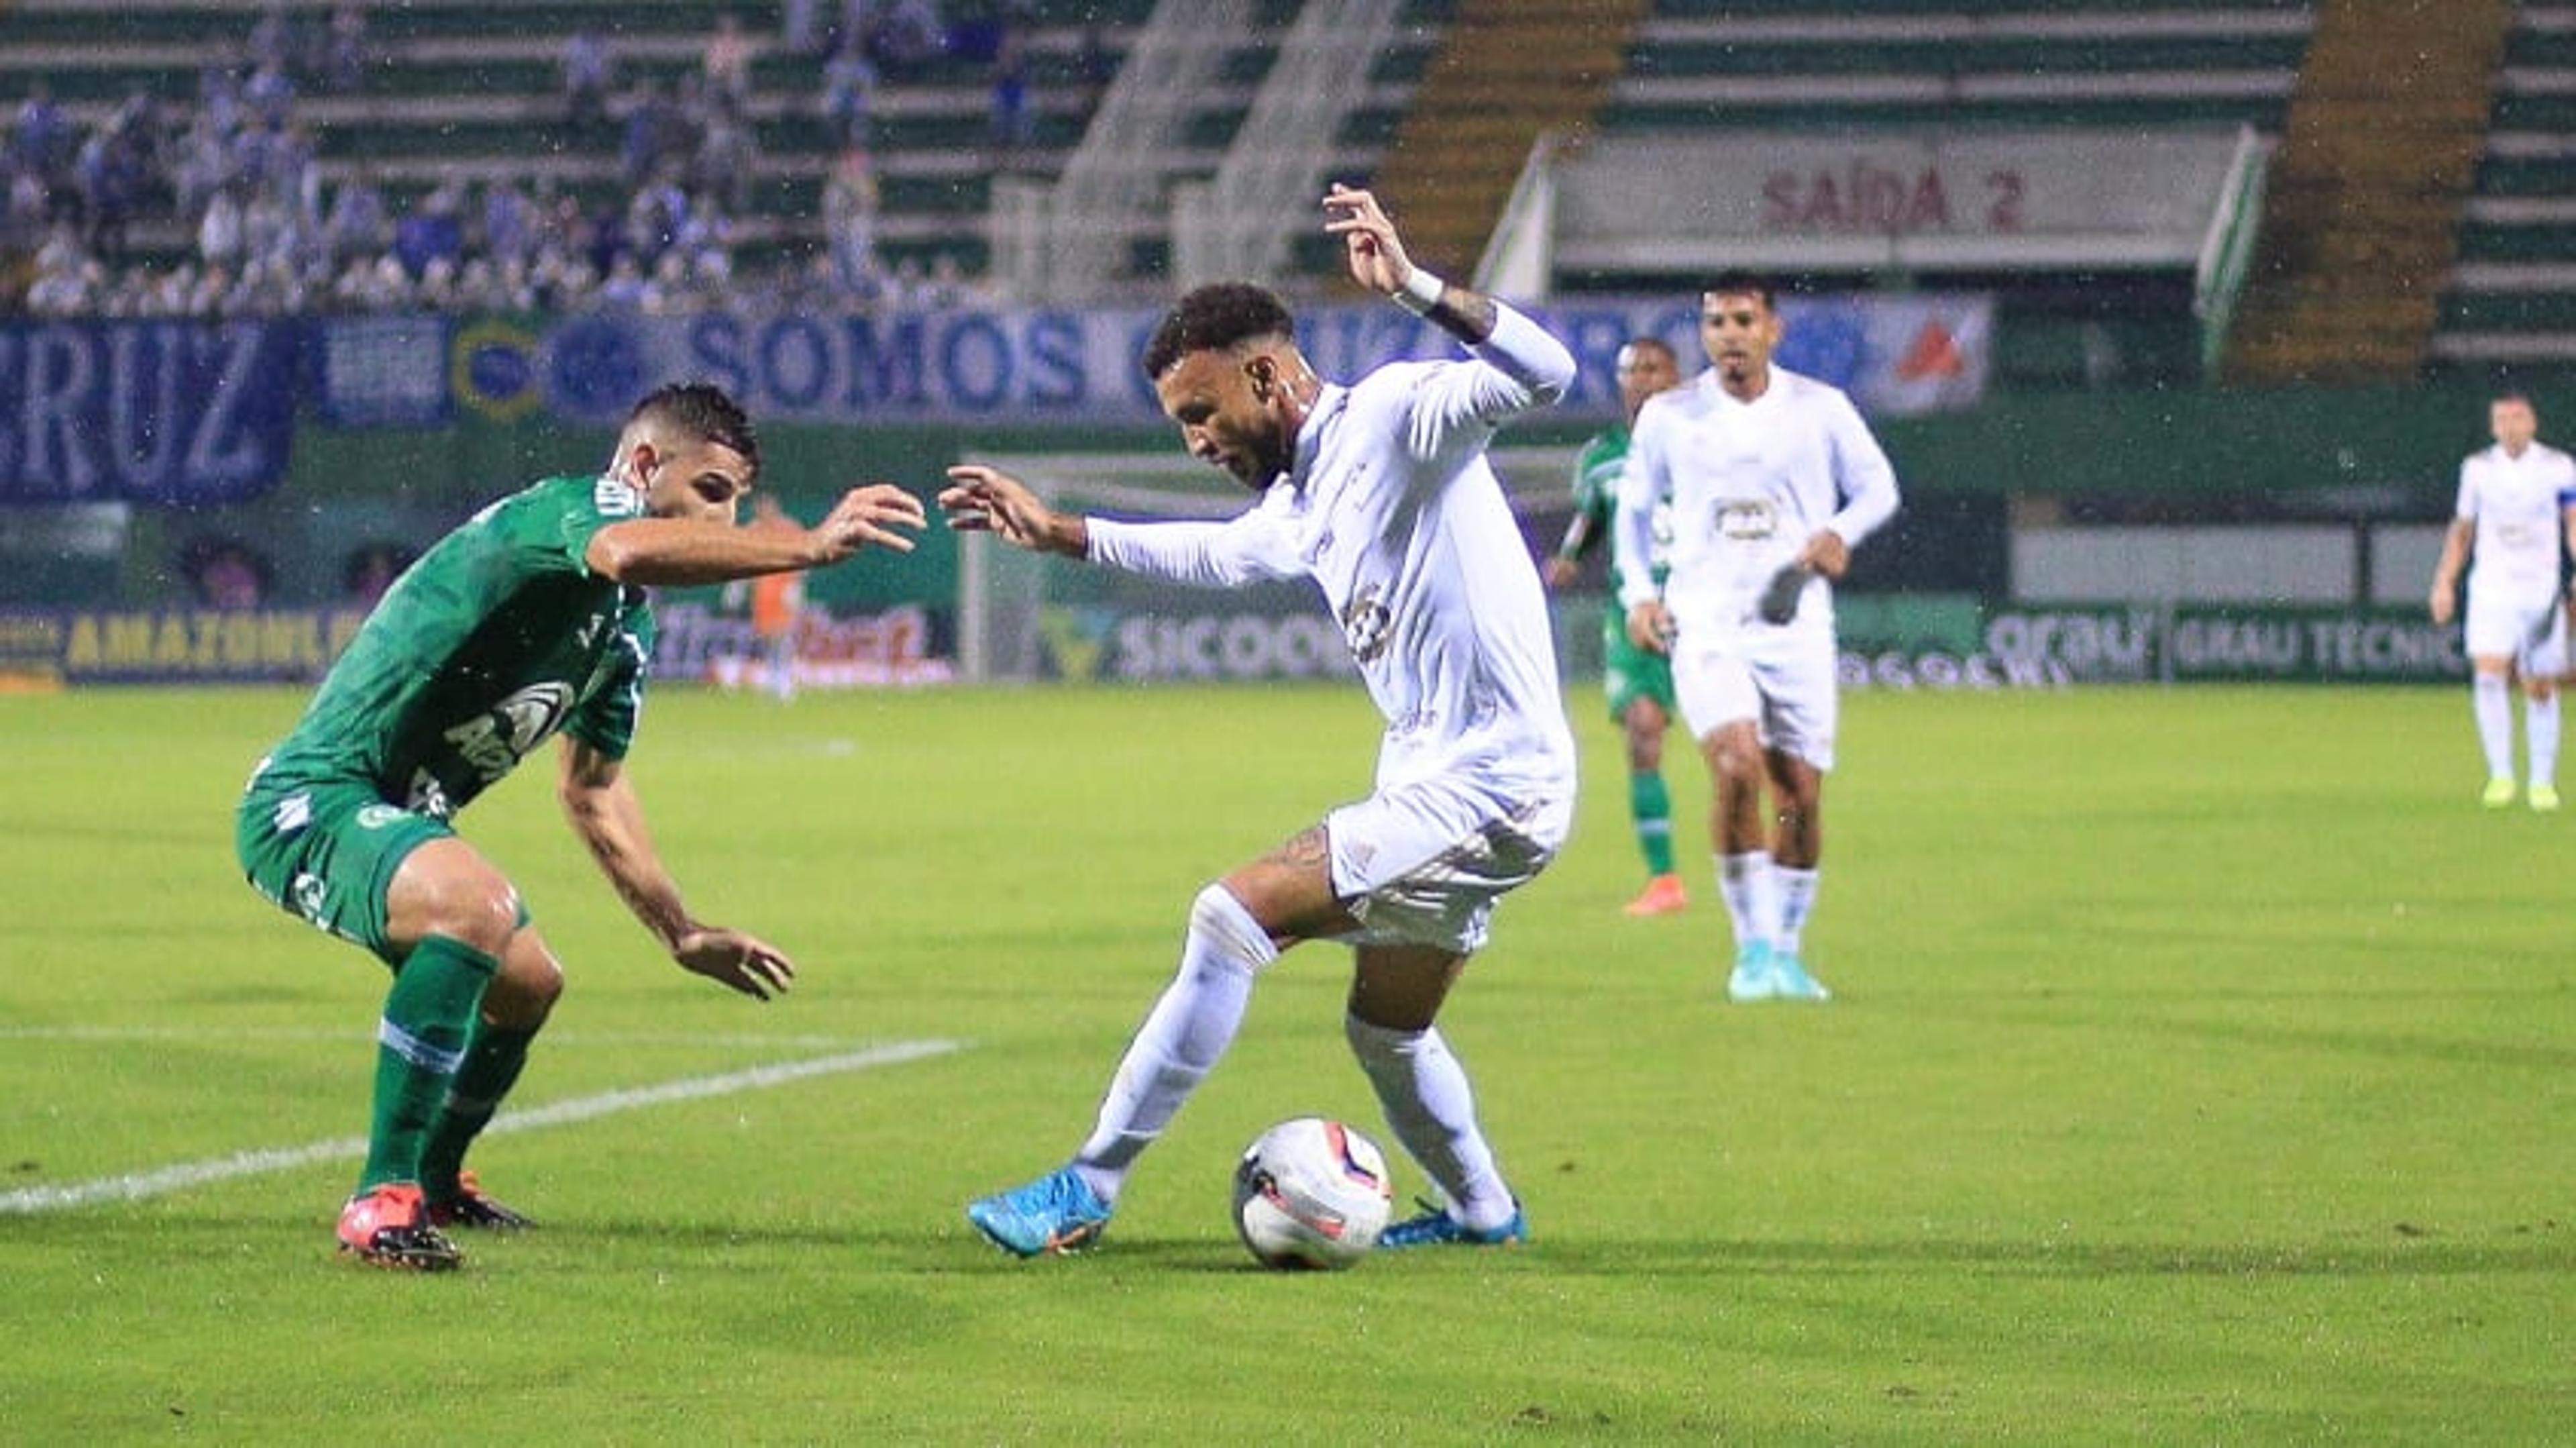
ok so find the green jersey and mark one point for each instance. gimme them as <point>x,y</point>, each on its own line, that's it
<point>1596,506</point>
<point>499,636</point>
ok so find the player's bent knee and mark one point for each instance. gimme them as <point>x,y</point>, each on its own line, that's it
<point>524,991</point>
<point>1218,917</point>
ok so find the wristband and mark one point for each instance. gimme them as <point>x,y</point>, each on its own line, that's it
<point>1420,293</point>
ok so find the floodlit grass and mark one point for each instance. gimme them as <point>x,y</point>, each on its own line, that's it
<point>2200,1073</point>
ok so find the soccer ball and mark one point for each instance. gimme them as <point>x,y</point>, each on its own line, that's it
<point>1311,1193</point>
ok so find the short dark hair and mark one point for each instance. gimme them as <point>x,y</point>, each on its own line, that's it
<point>1649,342</point>
<point>702,410</point>
<point>1737,282</point>
<point>1213,318</point>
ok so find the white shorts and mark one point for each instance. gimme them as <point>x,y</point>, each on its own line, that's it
<point>1423,863</point>
<point>1783,679</point>
<point>2530,630</point>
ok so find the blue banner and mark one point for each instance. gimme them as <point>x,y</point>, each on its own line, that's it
<point>146,412</point>
<point>1893,354</point>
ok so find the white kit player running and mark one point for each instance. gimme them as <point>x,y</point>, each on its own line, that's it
<point>2517,501</point>
<point>1771,478</point>
<point>1381,494</point>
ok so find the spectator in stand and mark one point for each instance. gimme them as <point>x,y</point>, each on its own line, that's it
<point>358,224</point>
<point>588,74</point>
<point>369,570</point>
<point>655,216</point>
<point>225,573</point>
<point>346,57</point>
<point>69,281</point>
<point>624,288</point>
<point>910,37</point>
<point>42,140</point>
<point>23,218</point>
<point>434,230</point>
<point>650,120</point>
<point>219,97</point>
<point>849,92</point>
<point>272,37</point>
<point>269,93</point>
<point>725,161</point>
<point>205,163</point>
<point>728,67</point>
<point>219,230</point>
<point>509,222</point>
<point>1009,126</point>
<point>797,30</point>
<point>850,200</point>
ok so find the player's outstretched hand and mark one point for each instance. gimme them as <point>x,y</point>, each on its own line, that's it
<point>979,499</point>
<point>1377,257</point>
<point>867,515</point>
<point>730,958</point>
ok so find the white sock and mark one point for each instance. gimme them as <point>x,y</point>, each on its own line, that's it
<point>1428,1102</point>
<point>2494,705</point>
<point>1745,883</point>
<point>2540,737</point>
<point>1797,892</point>
<point>1185,1033</point>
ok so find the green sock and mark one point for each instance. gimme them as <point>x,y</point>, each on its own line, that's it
<point>492,1062</point>
<point>419,1044</point>
<point>1652,809</point>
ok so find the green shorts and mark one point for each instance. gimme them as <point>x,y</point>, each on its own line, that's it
<point>1630,673</point>
<point>326,850</point>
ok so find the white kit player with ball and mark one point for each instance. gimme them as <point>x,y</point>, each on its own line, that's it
<point>1379,493</point>
<point>1771,478</point>
<point>2517,500</point>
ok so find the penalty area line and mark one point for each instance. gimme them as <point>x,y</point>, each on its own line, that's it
<point>136,1186</point>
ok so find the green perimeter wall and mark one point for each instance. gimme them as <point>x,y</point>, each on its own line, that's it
<point>2398,447</point>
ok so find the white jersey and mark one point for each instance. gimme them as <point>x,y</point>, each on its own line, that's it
<point>2518,504</point>
<point>1391,508</point>
<point>1748,484</point>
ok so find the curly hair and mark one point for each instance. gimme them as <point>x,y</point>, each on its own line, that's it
<point>702,410</point>
<point>1213,318</point>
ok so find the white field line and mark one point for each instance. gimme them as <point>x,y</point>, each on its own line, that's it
<point>350,1036</point>
<point>135,1186</point>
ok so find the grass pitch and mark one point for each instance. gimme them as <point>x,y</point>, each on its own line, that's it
<point>2200,1072</point>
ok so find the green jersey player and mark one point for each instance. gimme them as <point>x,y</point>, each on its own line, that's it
<point>1640,682</point>
<point>528,621</point>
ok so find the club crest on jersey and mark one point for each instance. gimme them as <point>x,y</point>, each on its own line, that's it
<point>494,742</point>
<point>1367,625</point>
<point>615,497</point>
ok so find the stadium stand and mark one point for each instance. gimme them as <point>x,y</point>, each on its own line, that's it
<point>449,98</point>
<point>2363,213</point>
<point>2512,293</point>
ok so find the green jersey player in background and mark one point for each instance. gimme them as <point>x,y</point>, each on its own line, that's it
<point>529,620</point>
<point>1640,683</point>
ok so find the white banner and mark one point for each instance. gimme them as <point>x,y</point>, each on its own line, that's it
<point>1805,203</point>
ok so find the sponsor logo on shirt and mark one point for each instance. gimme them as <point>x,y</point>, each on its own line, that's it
<point>614,497</point>
<point>1747,520</point>
<point>495,741</point>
